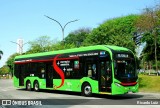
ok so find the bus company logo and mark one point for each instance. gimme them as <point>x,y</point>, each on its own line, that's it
<point>59,71</point>
<point>6,102</point>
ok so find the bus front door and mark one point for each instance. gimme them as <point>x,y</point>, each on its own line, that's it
<point>21,75</point>
<point>105,77</point>
<point>49,75</point>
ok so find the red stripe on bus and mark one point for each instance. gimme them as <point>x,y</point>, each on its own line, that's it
<point>19,62</point>
<point>58,70</point>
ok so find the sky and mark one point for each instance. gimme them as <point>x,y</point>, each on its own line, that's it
<point>25,18</point>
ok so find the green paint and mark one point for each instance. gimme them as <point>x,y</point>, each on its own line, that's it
<point>118,89</point>
<point>73,84</point>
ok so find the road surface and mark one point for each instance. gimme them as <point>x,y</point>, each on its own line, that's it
<point>59,99</point>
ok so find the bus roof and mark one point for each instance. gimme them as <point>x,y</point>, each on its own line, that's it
<point>88,48</point>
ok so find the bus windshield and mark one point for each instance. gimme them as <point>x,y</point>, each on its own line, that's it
<point>125,67</point>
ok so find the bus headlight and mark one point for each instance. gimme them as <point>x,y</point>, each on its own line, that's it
<point>117,84</point>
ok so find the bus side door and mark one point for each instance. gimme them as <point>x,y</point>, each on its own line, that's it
<point>105,76</point>
<point>49,75</point>
<point>21,72</point>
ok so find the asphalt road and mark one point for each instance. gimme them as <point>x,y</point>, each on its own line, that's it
<point>59,99</point>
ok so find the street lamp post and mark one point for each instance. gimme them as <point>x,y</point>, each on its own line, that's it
<point>20,46</point>
<point>62,27</point>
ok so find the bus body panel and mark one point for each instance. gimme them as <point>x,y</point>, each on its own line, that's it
<point>15,81</point>
<point>69,84</point>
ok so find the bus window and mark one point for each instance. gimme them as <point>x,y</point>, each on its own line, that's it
<point>89,71</point>
<point>41,70</point>
<point>94,71</point>
<point>125,67</point>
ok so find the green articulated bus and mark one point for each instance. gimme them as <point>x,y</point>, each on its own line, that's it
<point>100,69</point>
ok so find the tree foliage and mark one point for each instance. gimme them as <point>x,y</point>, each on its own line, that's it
<point>77,37</point>
<point>4,70</point>
<point>148,53</point>
<point>117,31</point>
<point>41,44</point>
<point>10,62</point>
<point>148,25</point>
<point>62,45</point>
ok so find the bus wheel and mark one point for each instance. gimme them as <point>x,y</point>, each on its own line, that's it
<point>86,90</point>
<point>36,86</point>
<point>28,86</point>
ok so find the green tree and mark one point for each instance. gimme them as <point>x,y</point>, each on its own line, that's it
<point>10,62</point>
<point>61,46</point>
<point>77,37</point>
<point>41,44</point>
<point>45,44</point>
<point>148,25</point>
<point>4,70</point>
<point>116,31</point>
<point>74,39</point>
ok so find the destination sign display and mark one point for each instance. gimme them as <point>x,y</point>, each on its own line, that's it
<point>122,55</point>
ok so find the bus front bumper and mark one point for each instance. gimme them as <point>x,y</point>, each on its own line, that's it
<point>119,89</point>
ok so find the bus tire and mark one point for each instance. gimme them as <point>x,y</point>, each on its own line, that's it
<point>36,86</point>
<point>28,85</point>
<point>86,90</point>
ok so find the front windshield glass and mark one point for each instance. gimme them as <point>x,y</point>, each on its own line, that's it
<point>125,66</point>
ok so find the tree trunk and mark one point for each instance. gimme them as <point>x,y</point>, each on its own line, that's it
<point>155,43</point>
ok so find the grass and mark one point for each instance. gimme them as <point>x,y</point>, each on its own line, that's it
<point>149,83</point>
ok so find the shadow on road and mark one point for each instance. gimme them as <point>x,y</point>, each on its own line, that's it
<point>102,96</point>
<point>119,97</point>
